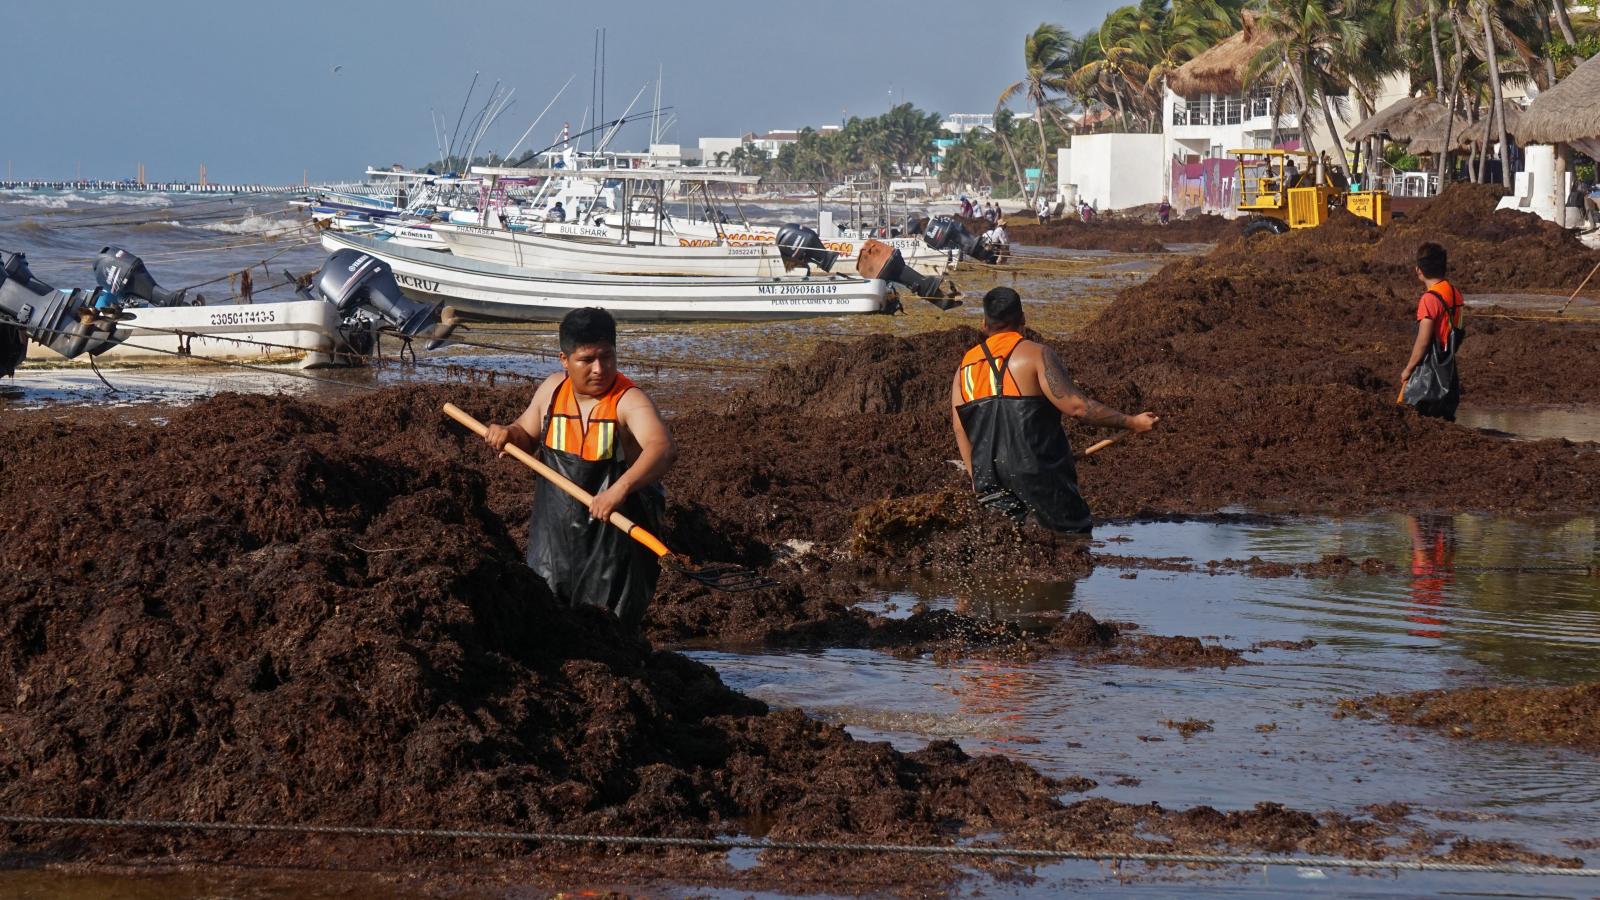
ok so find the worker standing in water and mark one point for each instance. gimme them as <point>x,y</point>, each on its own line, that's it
<point>1006,404</point>
<point>593,425</point>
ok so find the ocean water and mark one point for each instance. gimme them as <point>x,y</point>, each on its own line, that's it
<point>183,239</point>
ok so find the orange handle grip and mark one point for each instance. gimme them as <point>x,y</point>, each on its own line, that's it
<point>556,478</point>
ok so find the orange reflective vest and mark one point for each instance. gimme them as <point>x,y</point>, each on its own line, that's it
<point>564,429</point>
<point>986,369</point>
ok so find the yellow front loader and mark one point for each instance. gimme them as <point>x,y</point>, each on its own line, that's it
<point>1284,189</point>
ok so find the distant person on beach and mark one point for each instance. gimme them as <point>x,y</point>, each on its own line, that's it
<point>1591,205</point>
<point>1164,212</point>
<point>1438,321</point>
<point>557,213</point>
<point>1291,174</point>
<point>993,212</point>
<point>1006,403</point>
<point>966,207</point>
<point>595,426</point>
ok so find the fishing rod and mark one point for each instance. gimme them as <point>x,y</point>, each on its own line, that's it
<point>512,152</point>
<point>534,154</point>
<point>470,135</point>
<point>606,141</point>
<point>450,148</point>
<point>490,115</point>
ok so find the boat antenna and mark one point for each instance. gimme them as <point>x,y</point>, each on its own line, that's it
<point>594,78</point>
<point>438,139</point>
<point>655,120</point>
<point>450,148</point>
<point>513,151</point>
<point>618,125</point>
<point>602,113</point>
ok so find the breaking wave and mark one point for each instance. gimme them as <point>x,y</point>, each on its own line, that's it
<point>255,224</point>
<point>75,199</point>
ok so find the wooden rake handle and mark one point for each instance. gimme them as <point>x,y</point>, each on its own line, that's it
<point>1096,447</point>
<point>556,478</point>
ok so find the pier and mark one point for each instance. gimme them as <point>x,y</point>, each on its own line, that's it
<point>158,187</point>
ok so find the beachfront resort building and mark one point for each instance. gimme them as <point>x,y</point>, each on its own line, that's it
<point>1207,110</point>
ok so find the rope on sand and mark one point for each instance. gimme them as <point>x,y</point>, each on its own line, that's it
<point>737,843</point>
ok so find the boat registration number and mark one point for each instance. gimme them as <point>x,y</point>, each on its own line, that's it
<point>798,288</point>
<point>246,317</point>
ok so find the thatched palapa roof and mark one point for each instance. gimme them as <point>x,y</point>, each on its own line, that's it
<point>1378,123</point>
<point>1221,69</point>
<point>1483,130</point>
<point>1424,130</point>
<point>1418,122</point>
<point>1568,112</point>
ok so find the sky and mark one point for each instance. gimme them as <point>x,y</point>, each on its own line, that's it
<point>251,91</point>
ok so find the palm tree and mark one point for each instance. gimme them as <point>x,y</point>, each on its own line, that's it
<point>974,160</point>
<point>1045,54</point>
<point>1169,38</point>
<point>1003,129</point>
<point>1485,16</point>
<point>1305,37</point>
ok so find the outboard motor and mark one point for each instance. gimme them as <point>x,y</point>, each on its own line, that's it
<point>946,233</point>
<point>879,260</point>
<point>351,279</point>
<point>802,247</point>
<point>121,275</point>
<point>65,321</point>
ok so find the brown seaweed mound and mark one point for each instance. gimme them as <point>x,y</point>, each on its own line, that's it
<point>1560,716</point>
<point>1119,233</point>
<point>275,611</point>
<point>1273,361</point>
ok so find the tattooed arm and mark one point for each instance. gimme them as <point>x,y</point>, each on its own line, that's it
<point>1061,391</point>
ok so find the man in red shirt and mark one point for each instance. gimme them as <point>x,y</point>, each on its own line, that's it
<point>1438,314</point>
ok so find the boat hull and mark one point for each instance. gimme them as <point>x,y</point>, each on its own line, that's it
<point>491,290</point>
<point>304,329</point>
<point>681,255</point>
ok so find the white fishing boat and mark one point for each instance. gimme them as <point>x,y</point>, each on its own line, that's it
<point>497,291</point>
<point>346,307</point>
<point>666,248</point>
<point>680,255</point>
<point>306,331</point>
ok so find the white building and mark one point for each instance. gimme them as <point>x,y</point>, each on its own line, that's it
<point>710,147</point>
<point>673,155</point>
<point>961,123</point>
<point>1112,170</point>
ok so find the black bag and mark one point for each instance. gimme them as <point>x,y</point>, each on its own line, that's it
<point>1434,379</point>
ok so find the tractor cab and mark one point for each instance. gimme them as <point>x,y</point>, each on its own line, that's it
<point>1284,189</point>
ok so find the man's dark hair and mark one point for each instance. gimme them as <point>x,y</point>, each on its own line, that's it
<point>1002,306</point>
<point>585,327</point>
<point>1431,260</point>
